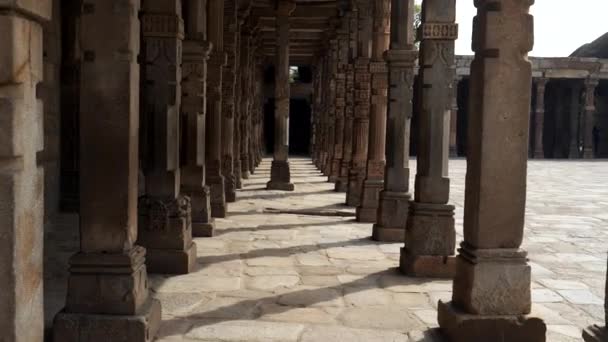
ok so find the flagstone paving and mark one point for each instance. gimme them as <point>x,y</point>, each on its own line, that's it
<point>297,267</point>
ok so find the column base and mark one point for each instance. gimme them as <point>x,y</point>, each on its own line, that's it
<point>367,211</point>
<point>384,234</point>
<point>453,152</point>
<point>334,172</point>
<point>217,190</point>
<point>171,261</point>
<point>427,266</point>
<point>430,229</point>
<point>355,187</point>
<point>203,229</point>
<point>218,210</point>
<point>539,154</point>
<point>459,326</point>
<point>273,185</point>
<point>588,154</point>
<point>237,174</point>
<point>341,184</point>
<point>79,327</point>
<point>595,333</point>
<point>245,174</point>
<point>393,212</point>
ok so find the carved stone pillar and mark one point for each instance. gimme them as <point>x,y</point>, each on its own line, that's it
<point>401,58</point>
<point>21,177</point>
<point>491,296</point>
<point>330,99</point>
<point>588,146</point>
<point>575,110</point>
<point>339,100</point>
<point>362,105</point>
<point>430,234</point>
<point>368,209</point>
<point>107,292</point>
<point>317,113</point>
<point>595,333</point>
<point>216,63</point>
<point>236,145</point>
<point>228,92</point>
<point>325,113</point>
<point>194,80</point>
<point>454,119</point>
<point>165,215</point>
<point>246,99</point>
<point>349,110</point>
<point>280,178</point>
<point>539,118</point>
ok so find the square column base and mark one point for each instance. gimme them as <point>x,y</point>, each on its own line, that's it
<point>370,200</point>
<point>341,184</point>
<point>355,187</point>
<point>459,326</point>
<point>427,266</point>
<point>274,185</point>
<point>79,327</point>
<point>217,190</point>
<point>595,333</point>
<point>385,234</point>
<point>171,261</point>
<point>218,210</point>
<point>280,176</point>
<point>203,229</point>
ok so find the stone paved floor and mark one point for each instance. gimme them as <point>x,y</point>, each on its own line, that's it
<point>296,267</point>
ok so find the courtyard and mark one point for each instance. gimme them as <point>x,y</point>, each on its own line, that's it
<point>298,267</point>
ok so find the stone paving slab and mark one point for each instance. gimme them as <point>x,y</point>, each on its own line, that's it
<point>313,276</point>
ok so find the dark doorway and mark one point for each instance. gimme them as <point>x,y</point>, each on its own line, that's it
<point>299,126</point>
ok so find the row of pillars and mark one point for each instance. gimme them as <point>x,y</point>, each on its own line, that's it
<point>581,131</point>
<point>170,123</point>
<point>362,107</point>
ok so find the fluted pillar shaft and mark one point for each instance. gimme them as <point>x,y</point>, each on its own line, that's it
<point>491,295</point>
<point>280,178</point>
<point>401,59</point>
<point>362,104</point>
<point>228,99</point>
<point>368,209</point>
<point>339,99</point>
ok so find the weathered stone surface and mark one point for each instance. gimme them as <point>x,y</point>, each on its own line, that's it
<point>271,282</point>
<point>247,330</point>
<point>334,333</point>
<point>381,318</point>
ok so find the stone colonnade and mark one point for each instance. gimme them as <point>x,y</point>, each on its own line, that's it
<point>165,135</point>
<point>484,305</point>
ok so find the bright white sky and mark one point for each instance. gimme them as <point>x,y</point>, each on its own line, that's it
<point>560,26</point>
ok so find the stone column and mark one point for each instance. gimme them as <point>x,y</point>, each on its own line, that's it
<point>165,215</point>
<point>280,178</point>
<point>215,65</point>
<point>194,177</point>
<point>430,234</point>
<point>236,145</point>
<point>107,292</point>
<point>368,209</point>
<point>21,178</point>
<point>454,119</point>
<point>317,112</point>
<point>362,105</point>
<point>590,85</point>
<point>539,118</point>
<point>339,99</point>
<point>246,99</point>
<point>228,105</point>
<point>330,100</point>
<point>325,113</point>
<point>401,59</point>
<point>491,296</point>
<point>575,110</point>
<point>595,333</point>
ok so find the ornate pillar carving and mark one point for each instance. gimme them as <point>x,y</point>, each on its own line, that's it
<point>107,294</point>
<point>246,99</point>
<point>194,105</point>
<point>215,65</point>
<point>401,59</point>
<point>575,111</point>
<point>339,99</point>
<point>21,177</point>
<point>588,146</point>
<point>280,178</point>
<point>430,234</point>
<point>228,100</point>
<point>362,105</point>
<point>368,209</point>
<point>330,98</point>
<point>165,215</point>
<point>349,110</point>
<point>539,118</point>
<point>491,298</point>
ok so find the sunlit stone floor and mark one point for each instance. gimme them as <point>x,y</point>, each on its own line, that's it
<point>297,267</point>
